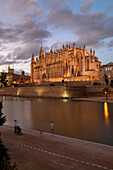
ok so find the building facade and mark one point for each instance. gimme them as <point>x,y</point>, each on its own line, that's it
<point>66,64</point>
<point>106,72</point>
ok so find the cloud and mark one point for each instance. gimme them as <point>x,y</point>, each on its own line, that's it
<point>87,5</point>
<point>110,43</point>
<point>90,28</point>
<point>56,4</point>
<point>24,36</point>
<point>24,8</point>
<point>28,24</point>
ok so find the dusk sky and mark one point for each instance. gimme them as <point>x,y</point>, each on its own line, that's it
<point>25,25</point>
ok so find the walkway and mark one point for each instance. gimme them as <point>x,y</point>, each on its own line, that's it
<point>46,152</point>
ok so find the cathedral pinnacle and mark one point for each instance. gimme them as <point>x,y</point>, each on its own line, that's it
<point>41,51</point>
<point>32,57</point>
<point>63,46</point>
<point>74,44</point>
<point>51,51</point>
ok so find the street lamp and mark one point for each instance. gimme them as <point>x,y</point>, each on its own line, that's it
<point>106,93</point>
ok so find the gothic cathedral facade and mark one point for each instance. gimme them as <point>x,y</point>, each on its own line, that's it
<point>66,64</point>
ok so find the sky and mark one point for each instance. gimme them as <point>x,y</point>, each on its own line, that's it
<point>25,25</point>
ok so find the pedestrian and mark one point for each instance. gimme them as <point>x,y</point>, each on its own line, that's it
<point>52,127</point>
<point>15,126</point>
<point>18,130</point>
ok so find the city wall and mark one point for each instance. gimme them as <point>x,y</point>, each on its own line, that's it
<point>44,91</point>
<point>54,91</point>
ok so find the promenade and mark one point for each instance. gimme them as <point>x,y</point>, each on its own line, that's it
<point>52,152</point>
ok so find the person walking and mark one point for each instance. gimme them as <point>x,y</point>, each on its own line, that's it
<point>15,126</point>
<point>52,127</point>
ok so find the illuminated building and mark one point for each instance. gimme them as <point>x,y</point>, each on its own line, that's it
<point>66,64</point>
<point>106,71</point>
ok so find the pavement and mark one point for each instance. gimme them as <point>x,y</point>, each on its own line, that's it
<point>35,151</point>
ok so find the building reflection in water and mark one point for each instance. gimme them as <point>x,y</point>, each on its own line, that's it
<point>106,113</point>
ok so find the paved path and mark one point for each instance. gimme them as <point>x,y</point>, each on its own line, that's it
<point>47,152</point>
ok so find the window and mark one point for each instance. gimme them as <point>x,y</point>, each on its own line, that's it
<point>109,76</point>
<point>106,69</point>
<point>110,68</point>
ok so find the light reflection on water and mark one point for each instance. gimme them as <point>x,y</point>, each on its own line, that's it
<point>77,119</point>
<point>106,113</point>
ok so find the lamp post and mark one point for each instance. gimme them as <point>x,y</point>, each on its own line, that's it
<point>106,93</point>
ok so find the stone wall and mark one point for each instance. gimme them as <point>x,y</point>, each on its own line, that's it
<point>54,91</point>
<point>51,91</point>
<point>44,91</point>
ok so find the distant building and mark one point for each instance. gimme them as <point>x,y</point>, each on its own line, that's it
<point>13,78</point>
<point>106,72</point>
<point>66,64</point>
<point>10,70</point>
<point>17,79</point>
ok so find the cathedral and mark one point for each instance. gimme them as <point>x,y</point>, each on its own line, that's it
<point>66,64</point>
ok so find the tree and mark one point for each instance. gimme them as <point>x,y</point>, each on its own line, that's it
<point>4,157</point>
<point>3,79</point>
<point>106,79</point>
<point>2,118</point>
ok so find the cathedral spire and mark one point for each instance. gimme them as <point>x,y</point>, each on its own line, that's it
<point>63,46</point>
<point>41,51</point>
<point>91,51</point>
<point>51,51</point>
<point>94,53</point>
<point>74,44</point>
<point>32,57</point>
<point>84,49</point>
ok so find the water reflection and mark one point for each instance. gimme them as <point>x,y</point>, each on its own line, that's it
<point>106,113</point>
<point>79,119</point>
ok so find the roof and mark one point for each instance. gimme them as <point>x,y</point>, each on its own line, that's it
<point>106,65</point>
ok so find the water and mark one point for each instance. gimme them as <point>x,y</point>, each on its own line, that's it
<point>91,121</point>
